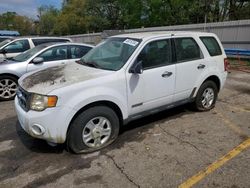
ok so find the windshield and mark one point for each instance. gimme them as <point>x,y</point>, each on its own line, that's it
<point>28,54</point>
<point>111,54</point>
<point>4,42</point>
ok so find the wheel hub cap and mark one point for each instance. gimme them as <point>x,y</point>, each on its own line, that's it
<point>96,132</point>
<point>7,88</point>
<point>207,98</point>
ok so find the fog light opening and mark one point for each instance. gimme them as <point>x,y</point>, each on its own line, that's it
<point>37,130</point>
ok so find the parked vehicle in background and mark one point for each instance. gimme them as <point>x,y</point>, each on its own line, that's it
<point>2,38</point>
<point>14,46</point>
<point>42,56</point>
<point>124,78</point>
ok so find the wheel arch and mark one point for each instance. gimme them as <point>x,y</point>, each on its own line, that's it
<point>215,79</point>
<point>9,74</point>
<point>107,103</point>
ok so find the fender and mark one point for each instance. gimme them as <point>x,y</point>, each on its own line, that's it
<point>200,81</point>
<point>91,95</point>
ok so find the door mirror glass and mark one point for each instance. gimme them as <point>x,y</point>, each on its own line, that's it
<point>38,60</point>
<point>136,68</point>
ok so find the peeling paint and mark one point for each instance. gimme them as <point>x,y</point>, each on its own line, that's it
<point>46,80</point>
<point>43,76</point>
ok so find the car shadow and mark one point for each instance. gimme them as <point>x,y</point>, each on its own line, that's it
<point>128,132</point>
<point>36,145</point>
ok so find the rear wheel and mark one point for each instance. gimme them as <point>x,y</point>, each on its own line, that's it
<point>8,87</point>
<point>206,96</point>
<point>93,129</point>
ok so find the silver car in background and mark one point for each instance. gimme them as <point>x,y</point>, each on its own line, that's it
<point>12,47</point>
<point>40,57</point>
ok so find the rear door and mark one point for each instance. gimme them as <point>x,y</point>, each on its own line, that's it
<point>53,56</point>
<point>155,86</point>
<point>190,65</point>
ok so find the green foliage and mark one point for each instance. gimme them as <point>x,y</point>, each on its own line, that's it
<point>12,21</point>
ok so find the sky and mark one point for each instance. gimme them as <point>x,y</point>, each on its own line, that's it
<point>26,7</point>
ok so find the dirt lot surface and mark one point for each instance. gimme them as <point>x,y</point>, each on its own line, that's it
<point>164,150</point>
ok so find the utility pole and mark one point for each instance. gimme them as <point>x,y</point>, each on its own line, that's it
<point>205,19</point>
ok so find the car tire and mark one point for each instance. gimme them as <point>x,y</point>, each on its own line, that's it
<point>93,129</point>
<point>206,96</point>
<point>8,87</point>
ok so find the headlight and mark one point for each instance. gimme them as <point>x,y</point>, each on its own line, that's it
<point>41,102</point>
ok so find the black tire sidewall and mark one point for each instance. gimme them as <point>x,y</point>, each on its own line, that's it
<point>74,136</point>
<point>205,85</point>
<point>11,78</point>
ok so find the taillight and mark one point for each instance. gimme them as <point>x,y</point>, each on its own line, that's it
<point>226,64</point>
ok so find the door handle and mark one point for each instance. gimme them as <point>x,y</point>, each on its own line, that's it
<point>166,74</point>
<point>201,66</point>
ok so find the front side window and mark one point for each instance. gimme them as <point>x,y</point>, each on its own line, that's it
<point>187,49</point>
<point>17,46</point>
<point>211,45</point>
<point>111,54</point>
<point>55,53</point>
<point>78,51</point>
<point>155,54</point>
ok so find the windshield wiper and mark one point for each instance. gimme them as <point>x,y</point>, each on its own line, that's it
<point>90,64</point>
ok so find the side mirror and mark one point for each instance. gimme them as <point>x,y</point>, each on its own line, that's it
<point>2,51</point>
<point>37,60</point>
<point>136,68</point>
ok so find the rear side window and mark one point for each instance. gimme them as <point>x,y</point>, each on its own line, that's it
<point>187,49</point>
<point>212,45</point>
<point>42,41</point>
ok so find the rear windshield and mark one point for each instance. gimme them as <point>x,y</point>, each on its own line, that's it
<point>211,45</point>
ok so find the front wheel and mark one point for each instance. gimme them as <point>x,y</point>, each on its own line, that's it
<point>93,129</point>
<point>206,96</point>
<point>8,87</point>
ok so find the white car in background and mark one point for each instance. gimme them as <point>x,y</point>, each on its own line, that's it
<point>42,56</point>
<point>13,46</point>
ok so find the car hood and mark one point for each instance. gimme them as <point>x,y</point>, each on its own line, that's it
<point>46,80</point>
<point>7,62</point>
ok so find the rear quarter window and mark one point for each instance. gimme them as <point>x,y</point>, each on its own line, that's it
<point>212,45</point>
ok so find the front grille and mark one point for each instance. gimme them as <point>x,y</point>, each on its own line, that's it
<point>23,98</point>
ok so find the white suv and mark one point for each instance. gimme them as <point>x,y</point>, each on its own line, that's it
<point>124,78</point>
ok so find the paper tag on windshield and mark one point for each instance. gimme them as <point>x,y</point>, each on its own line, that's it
<point>131,42</point>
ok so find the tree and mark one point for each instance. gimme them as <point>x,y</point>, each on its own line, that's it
<point>47,19</point>
<point>13,21</point>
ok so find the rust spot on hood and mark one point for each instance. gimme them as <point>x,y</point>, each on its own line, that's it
<point>49,75</point>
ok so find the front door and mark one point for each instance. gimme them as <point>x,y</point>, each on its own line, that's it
<point>54,56</point>
<point>155,86</point>
<point>15,48</point>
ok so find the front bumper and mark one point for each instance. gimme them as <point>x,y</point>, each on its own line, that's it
<point>50,125</point>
